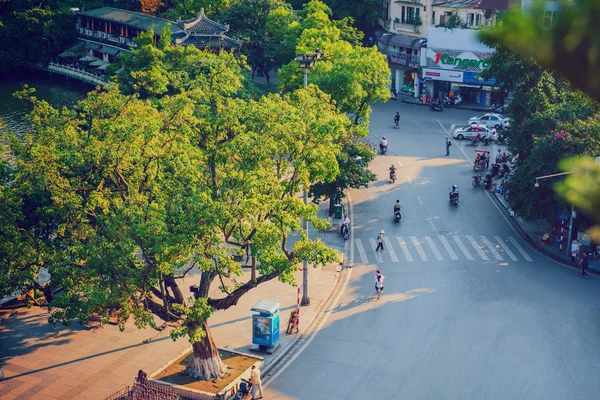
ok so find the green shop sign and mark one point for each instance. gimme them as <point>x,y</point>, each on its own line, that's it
<point>462,63</point>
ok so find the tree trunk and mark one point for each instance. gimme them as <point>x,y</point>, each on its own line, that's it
<point>172,284</point>
<point>207,361</point>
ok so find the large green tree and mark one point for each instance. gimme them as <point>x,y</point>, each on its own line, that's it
<point>140,191</point>
<point>248,21</point>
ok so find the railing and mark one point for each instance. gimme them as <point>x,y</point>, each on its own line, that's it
<point>77,73</point>
<point>122,394</point>
<point>106,38</point>
<point>397,57</point>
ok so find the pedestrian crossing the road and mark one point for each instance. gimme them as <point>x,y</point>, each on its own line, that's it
<point>439,248</point>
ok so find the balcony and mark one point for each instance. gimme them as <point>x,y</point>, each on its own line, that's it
<point>106,38</point>
<point>416,2</point>
<point>401,58</point>
<point>399,26</point>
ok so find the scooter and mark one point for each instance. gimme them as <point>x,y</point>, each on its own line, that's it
<point>345,231</point>
<point>500,139</point>
<point>244,390</point>
<point>397,216</point>
<point>487,182</point>
<point>382,148</point>
<point>495,169</point>
<point>497,108</point>
<point>453,197</point>
<point>476,179</point>
<point>393,176</point>
<point>436,107</point>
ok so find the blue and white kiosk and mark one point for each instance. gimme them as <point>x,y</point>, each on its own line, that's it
<point>265,326</point>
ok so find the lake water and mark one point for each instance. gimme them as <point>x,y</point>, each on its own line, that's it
<point>55,89</point>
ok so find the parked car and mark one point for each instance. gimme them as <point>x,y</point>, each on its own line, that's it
<point>491,120</point>
<point>471,131</point>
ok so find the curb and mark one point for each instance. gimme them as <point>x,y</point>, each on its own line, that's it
<point>455,107</point>
<point>564,261</point>
<point>320,308</point>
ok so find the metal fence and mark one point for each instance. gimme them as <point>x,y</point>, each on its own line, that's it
<point>145,391</point>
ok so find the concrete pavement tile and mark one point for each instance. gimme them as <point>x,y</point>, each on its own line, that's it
<point>18,391</point>
<point>58,388</point>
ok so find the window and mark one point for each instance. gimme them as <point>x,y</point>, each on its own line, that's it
<point>433,18</point>
<point>410,15</point>
<point>470,19</point>
<point>549,17</point>
<point>477,19</point>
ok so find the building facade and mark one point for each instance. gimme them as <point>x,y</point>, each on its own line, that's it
<point>406,25</point>
<point>109,31</point>
<point>451,63</point>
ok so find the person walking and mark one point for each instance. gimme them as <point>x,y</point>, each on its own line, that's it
<point>448,144</point>
<point>256,383</point>
<point>584,264</point>
<point>574,250</point>
<point>380,241</point>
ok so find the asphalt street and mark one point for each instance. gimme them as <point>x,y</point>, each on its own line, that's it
<point>469,311</point>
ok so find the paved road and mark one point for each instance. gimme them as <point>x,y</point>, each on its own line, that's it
<point>469,310</point>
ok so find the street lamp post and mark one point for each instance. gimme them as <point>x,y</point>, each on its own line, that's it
<point>306,61</point>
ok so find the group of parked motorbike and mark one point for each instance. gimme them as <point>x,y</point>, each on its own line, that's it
<point>502,171</point>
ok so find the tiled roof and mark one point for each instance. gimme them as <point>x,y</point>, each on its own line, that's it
<point>130,18</point>
<point>202,25</point>
<point>212,42</point>
<point>457,3</point>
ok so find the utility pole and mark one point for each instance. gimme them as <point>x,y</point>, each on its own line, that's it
<point>306,61</point>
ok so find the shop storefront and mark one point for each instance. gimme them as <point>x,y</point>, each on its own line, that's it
<point>403,59</point>
<point>455,71</point>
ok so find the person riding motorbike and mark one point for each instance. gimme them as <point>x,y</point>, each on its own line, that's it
<point>397,208</point>
<point>392,171</point>
<point>397,119</point>
<point>454,192</point>
<point>345,225</point>
<point>383,144</point>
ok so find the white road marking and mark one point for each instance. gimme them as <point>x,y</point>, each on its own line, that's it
<point>419,248</point>
<point>404,248</point>
<point>442,126</point>
<point>419,198</point>
<point>506,249</point>
<point>518,246</point>
<point>390,249</point>
<point>462,247</point>
<point>377,255</point>
<point>476,247</point>
<point>361,252</point>
<point>448,248</point>
<point>409,180</point>
<point>435,250</point>
<point>432,225</point>
<point>399,163</point>
<point>492,248</point>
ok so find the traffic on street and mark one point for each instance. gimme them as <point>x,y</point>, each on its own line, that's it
<point>468,309</point>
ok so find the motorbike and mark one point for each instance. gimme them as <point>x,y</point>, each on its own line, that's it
<point>397,216</point>
<point>487,182</point>
<point>452,101</point>
<point>382,148</point>
<point>345,231</point>
<point>393,176</point>
<point>244,390</point>
<point>453,197</point>
<point>497,108</point>
<point>476,179</point>
<point>505,171</point>
<point>500,139</point>
<point>495,169</point>
<point>436,107</point>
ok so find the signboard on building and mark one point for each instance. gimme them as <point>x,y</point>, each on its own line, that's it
<point>473,77</point>
<point>442,75</point>
<point>457,60</point>
<point>405,60</point>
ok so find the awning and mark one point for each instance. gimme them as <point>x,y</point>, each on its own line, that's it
<point>103,66</point>
<point>97,63</point>
<point>73,52</point>
<point>400,40</point>
<point>92,46</point>
<point>88,58</point>
<point>111,51</point>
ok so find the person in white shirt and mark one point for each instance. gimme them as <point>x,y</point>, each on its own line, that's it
<point>379,283</point>
<point>345,225</point>
<point>256,382</point>
<point>574,250</point>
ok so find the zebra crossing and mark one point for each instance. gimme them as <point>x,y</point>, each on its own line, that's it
<point>441,247</point>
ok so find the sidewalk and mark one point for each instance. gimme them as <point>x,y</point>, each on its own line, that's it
<point>55,362</point>
<point>411,100</point>
<point>532,232</point>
